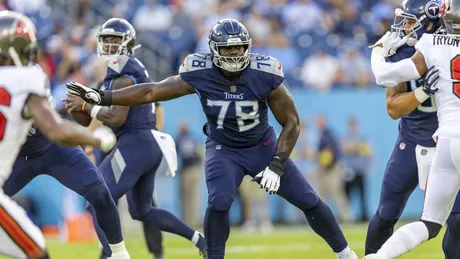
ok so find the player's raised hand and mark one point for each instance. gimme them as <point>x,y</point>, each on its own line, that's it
<point>429,81</point>
<point>390,42</point>
<point>271,176</point>
<point>90,95</point>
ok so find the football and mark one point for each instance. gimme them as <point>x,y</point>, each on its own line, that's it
<point>81,118</point>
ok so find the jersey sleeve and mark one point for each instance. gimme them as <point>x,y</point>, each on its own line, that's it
<point>192,67</point>
<point>423,46</point>
<point>270,67</point>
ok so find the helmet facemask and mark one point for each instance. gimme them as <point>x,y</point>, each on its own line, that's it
<point>110,51</point>
<point>401,25</point>
<point>231,63</point>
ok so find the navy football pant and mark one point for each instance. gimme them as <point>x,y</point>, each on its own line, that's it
<point>130,169</point>
<point>73,169</point>
<point>399,181</point>
<point>225,169</point>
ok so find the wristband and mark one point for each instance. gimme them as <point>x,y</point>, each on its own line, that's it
<point>106,98</point>
<point>95,110</point>
<point>421,95</point>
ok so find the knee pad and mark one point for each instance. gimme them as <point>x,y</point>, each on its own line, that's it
<point>98,196</point>
<point>453,222</point>
<point>433,228</point>
<point>382,223</point>
<point>134,214</point>
<point>309,200</point>
<point>221,202</point>
<point>390,212</point>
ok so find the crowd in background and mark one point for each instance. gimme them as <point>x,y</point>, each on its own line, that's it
<point>322,44</point>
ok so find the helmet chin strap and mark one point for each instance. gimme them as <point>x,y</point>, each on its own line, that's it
<point>14,55</point>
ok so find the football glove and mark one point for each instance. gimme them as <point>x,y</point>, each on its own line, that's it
<point>391,41</point>
<point>429,80</point>
<point>90,95</point>
<point>271,176</point>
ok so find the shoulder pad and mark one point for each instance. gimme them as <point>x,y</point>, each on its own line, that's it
<point>267,64</point>
<point>35,81</point>
<point>425,41</point>
<point>194,62</point>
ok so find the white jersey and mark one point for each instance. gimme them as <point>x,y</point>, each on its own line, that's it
<point>443,52</point>
<point>16,84</point>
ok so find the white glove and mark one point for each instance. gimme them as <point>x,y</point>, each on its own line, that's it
<point>107,138</point>
<point>391,42</point>
<point>270,180</point>
<point>88,94</point>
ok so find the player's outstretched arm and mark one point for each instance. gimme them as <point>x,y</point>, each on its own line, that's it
<point>170,88</point>
<point>282,105</point>
<point>58,129</point>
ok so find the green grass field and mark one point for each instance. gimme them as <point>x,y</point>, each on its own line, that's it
<point>285,243</point>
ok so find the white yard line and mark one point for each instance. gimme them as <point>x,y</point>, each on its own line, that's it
<point>240,249</point>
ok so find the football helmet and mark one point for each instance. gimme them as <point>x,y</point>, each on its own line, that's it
<point>450,13</point>
<point>225,33</point>
<point>18,39</point>
<point>419,14</point>
<point>116,27</point>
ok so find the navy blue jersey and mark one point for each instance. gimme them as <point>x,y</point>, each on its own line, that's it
<point>420,124</point>
<point>236,112</point>
<point>141,116</point>
<point>36,143</point>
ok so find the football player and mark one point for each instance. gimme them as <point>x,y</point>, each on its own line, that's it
<point>236,88</point>
<point>414,149</point>
<point>441,54</point>
<point>23,99</point>
<point>131,167</point>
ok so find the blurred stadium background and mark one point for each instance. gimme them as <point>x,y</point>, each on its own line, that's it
<point>322,45</point>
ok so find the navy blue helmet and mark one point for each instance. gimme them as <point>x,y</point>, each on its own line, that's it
<point>416,17</point>
<point>116,27</point>
<point>225,33</point>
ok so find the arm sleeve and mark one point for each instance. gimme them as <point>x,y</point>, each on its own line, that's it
<point>389,75</point>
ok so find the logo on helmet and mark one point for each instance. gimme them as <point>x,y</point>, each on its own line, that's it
<point>432,10</point>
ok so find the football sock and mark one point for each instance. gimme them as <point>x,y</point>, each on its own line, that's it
<point>404,239</point>
<point>378,232</point>
<point>323,222</point>
<point>451,240</point>
<point>216,231</point>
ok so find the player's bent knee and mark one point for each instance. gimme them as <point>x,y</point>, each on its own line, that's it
<point>99,196</point>
<point>433,228</point>
<point>453,222</point>
<point>390,212</point>
<point>306,201</point>
<point>221,202</point>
